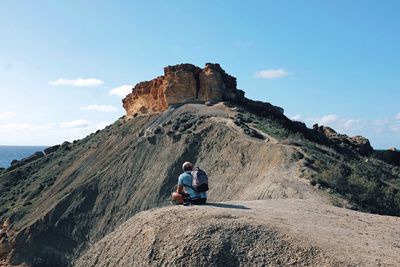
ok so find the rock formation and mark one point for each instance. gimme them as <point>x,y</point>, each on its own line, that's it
<point>186,83</point>
<point>17,163</point>
<point>359,143</point>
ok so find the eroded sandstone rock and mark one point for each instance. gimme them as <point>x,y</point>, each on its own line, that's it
<point>186,83</point>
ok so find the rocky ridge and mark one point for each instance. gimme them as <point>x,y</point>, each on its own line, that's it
<point>358,143</point>
<point>77,193</point>
<point>187,83</point>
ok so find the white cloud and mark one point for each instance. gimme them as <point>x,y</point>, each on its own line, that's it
<point>296,117</point>
<point>353,123</point>
<point>271,74</point>
<point>380,122</point>
<point>14,128</point>
<point>25,133</point>
<point>397,117</point>
<point>395,128</point>
<point>47,133</point>
<point>6,115</point>
<point>122,90</point>
<point>327,119</point>
<point>80,82</point>
<point>76,124</point>
<point>100,108</point>
<point>332,120</point>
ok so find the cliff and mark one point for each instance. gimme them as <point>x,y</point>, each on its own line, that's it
<point>186,83</point>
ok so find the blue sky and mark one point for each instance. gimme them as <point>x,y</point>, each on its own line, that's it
<point>333,62</point>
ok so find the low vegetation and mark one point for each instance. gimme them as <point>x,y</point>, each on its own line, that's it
<point>368,183</point>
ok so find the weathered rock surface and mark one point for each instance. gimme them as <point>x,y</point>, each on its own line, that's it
<point>51,149</point>
<point>359,143</point>
<point>5,238</point>
<point>254,233</point>
<point>186,83</point>
<point>37,155</point>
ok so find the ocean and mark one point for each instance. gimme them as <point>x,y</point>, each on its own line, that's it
<point>8,153</point>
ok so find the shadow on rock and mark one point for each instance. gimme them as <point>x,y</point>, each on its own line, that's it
<point>228,206</point>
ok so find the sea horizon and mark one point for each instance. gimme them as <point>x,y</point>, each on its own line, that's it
<point>25,145</point>
<point>10,152</point>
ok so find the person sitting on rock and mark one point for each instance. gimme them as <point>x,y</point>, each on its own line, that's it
<point>185,194</point>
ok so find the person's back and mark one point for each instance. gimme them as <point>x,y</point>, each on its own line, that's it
<point>185,187</point>
<point>186,180</point>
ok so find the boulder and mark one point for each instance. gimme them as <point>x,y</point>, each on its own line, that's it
<point>361,144</point>
<point>51,149</point>
<point>329,132</point>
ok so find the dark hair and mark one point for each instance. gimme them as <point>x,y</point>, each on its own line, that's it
<point>188,168</point>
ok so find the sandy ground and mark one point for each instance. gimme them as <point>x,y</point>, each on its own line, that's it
<point>272,232</point>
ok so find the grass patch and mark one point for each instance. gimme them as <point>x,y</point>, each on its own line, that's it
<point>272,129</point>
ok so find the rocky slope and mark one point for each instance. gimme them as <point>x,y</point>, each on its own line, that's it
<point>75,194</point>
